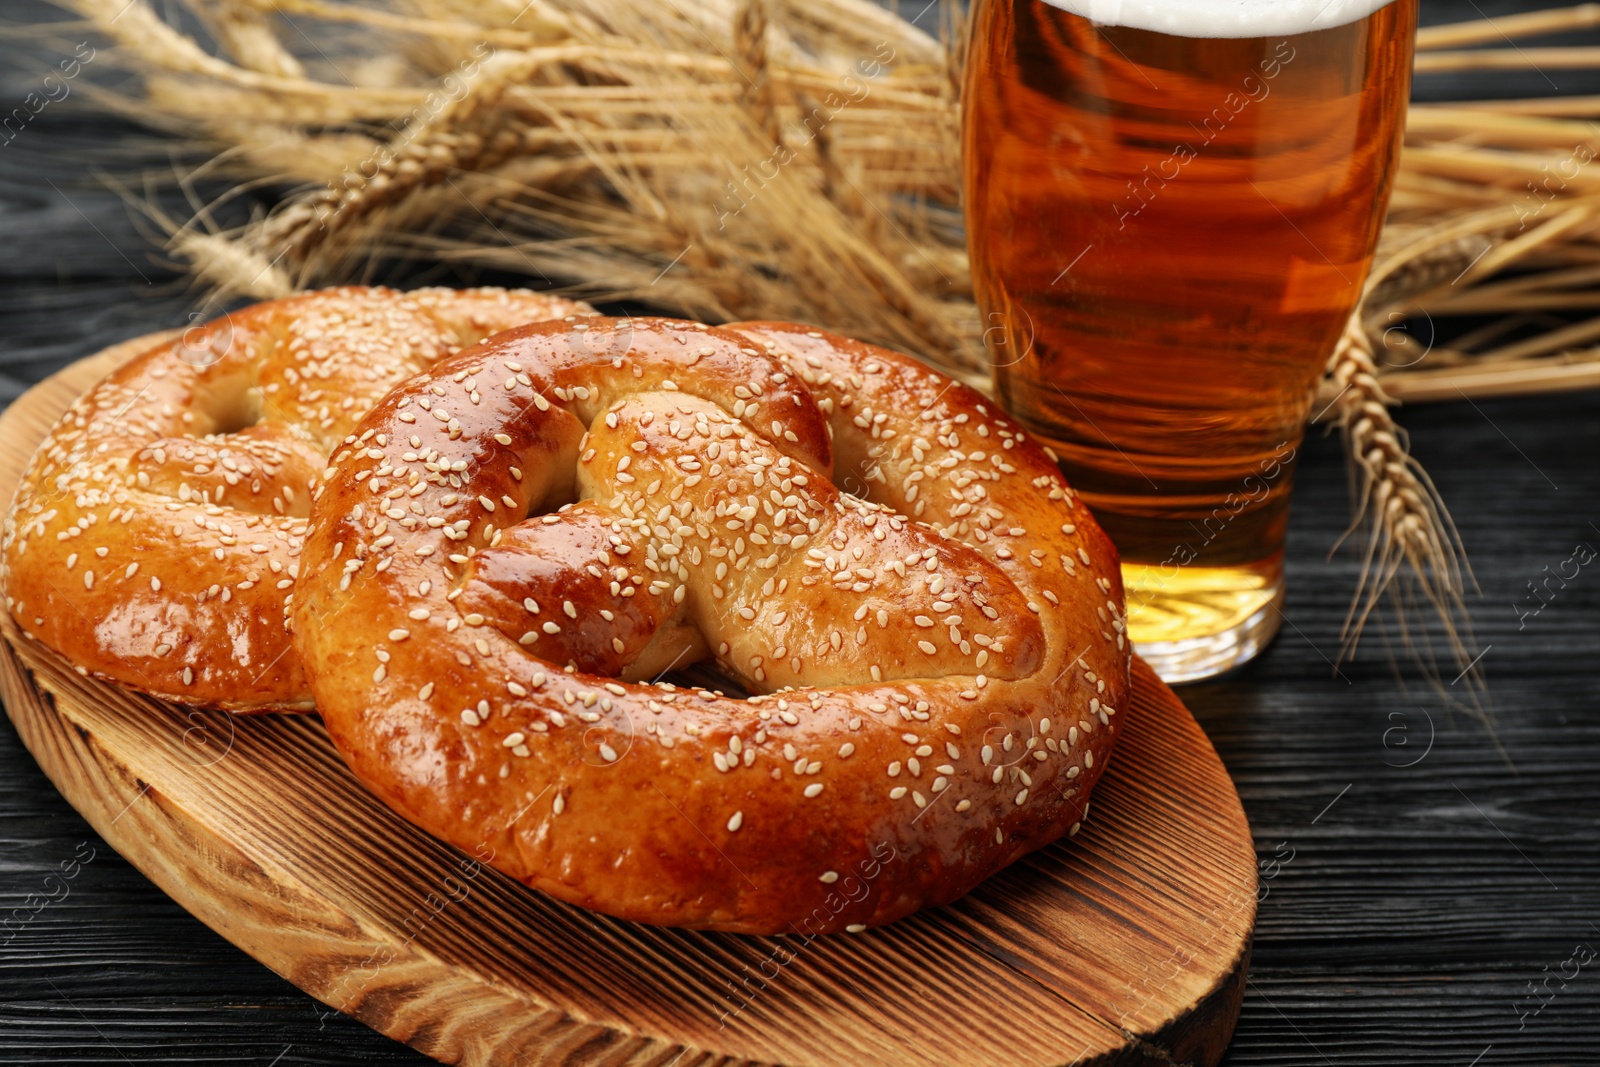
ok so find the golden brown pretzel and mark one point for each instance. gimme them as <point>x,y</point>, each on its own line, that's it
<point>157,530</point>
<point>963,672</point>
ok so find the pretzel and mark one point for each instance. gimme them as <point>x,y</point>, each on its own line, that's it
<point>156,531</point>
<point>506,552</point>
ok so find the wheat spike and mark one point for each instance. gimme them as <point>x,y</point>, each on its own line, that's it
<point>1407,523</point>
<point>250,37</point>
<point>750,45</point>
<point>466,134</point>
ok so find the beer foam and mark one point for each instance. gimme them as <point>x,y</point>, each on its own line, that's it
<point>1223,18</point>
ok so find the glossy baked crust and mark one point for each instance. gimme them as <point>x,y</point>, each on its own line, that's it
<point>156,532</point>
<point>952,626</point>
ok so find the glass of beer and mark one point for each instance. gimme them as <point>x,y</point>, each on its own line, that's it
<point>1171,209</point>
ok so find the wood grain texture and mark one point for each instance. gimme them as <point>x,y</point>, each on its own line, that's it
<point>1129,944</point>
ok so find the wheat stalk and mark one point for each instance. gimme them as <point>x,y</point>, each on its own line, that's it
<point>464,135</point>
<point>750,45</point>
<point>1407,524</point>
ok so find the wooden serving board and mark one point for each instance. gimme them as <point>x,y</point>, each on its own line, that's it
<point>1128,945</point>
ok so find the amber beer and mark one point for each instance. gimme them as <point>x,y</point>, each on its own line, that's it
<point>1171,213</point>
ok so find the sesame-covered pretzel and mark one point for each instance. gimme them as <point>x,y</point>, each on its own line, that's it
<point>156,532</point>
<point>510,545</point>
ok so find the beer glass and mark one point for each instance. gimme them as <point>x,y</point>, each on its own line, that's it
<point>1171,209</point>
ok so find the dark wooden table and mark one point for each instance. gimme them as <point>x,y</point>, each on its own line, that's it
<point>1430,882</point>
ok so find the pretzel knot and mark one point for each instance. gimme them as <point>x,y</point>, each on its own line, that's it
<point>157,530</point>
<point>510,546</point>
